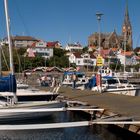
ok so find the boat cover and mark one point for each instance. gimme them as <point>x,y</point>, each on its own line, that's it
<point>8,83</point>
<point>72,72</point>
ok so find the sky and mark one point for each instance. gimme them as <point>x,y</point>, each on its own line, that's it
<point>69,21</point>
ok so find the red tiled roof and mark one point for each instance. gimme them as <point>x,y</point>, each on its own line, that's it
<point>105,52</point>
<point>34,44</point>
<point>92,56</point>
<point>127,53</point>
<point>77,55</point>
<point>114,49</point>
<point>52,44</point>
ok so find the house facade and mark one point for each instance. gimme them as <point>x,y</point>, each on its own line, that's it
<point>21,41</point>
<point>127,58</point>
<point>40,48</point>
<point>83,60</point>
<point>76,47</point>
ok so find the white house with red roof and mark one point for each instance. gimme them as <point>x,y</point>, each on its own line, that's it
<point>40,48</point>
<point>82,60</point>
<point>73,47</point>
<point>126,58</point>
<point>109,56</point>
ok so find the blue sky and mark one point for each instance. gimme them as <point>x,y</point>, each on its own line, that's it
<point>69,21</point>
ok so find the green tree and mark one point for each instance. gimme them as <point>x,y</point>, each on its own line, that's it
<point>85,49</point>
<point>5,58</point>
<point>21,63</point>
<point>58,61</point>
<point>59,52</point>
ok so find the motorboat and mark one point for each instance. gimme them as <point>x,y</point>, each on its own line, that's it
<point>118,86</point>
<point>81,79</point>
<point>110,82</point>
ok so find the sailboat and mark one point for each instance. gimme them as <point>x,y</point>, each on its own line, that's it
<point>17,104</point>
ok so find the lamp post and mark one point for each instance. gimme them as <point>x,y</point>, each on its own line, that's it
<point>99,19</point>
<point>99,59</point>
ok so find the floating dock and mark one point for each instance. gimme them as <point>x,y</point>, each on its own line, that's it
<point>116,107</point>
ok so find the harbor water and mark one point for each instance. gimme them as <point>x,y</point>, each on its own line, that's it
<point>94,132</point>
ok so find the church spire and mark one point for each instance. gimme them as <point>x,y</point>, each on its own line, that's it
<point>126,18</point>
<point>127,28</point>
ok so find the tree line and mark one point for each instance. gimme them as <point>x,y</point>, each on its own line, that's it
<point>23,62</point>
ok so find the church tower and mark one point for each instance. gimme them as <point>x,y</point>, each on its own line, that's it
<point>127,30</point>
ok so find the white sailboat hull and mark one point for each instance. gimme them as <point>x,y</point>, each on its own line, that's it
<point>29,110</point>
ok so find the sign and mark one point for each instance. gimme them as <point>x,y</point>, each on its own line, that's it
<point>99,61</point>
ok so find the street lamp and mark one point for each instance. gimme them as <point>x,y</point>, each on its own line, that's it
<point>99,19</point>
<point>99,58</point>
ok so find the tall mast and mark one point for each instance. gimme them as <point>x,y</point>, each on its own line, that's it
<point>124,53</point>
<point>8,34</point>
<point>0,61</point>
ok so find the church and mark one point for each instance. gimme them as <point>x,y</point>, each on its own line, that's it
<point>113,40</point>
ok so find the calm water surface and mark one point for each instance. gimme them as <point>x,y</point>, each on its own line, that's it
<point>95,132</point>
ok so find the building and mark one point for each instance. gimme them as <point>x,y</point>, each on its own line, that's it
<point>40,48</point>
<point>114,40</point>
<point>109,56</point>
<point>76,47</point>
<point>21,41</point>
<point>85,60</point>
<point>126,58</point>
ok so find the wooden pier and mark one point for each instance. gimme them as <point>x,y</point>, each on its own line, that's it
<point>114,105</point>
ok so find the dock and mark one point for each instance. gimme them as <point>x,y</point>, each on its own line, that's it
<point>114,105</point>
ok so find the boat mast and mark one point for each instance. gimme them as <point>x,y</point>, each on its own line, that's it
<point>8,34</point>
<point>0,61</point>
<point>125,53</point>
<point>12,86</point>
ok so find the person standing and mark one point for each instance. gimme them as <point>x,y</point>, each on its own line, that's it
<point>74,80</point>
<point>53,82</point>
<point>25,77</point>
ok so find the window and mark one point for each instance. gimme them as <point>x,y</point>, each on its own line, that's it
<point>112,81</point>
<point>87,61</point>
